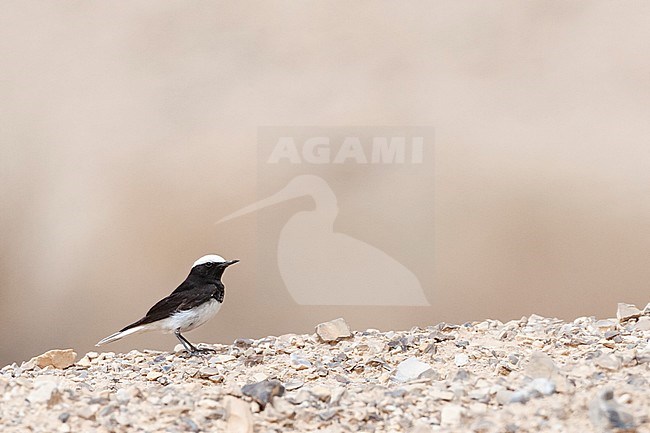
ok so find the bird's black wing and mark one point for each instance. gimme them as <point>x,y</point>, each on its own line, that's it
<point>186,285</point>
<point>177,301</point>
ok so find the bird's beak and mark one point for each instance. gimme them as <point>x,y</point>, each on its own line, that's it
<point>231,262</point>
<point>286,193</point>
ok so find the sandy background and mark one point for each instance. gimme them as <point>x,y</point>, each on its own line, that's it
<point>128,129</point>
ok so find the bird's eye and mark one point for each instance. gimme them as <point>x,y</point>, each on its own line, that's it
<point>209,264</point>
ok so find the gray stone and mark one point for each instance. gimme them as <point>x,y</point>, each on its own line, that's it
<point>643,356</point>
<point>240,417</point>
<point>626,312</point>
<point>462,375</point>
<point>45,391</point>
<point>301,396</point>
<point>333,330</point>
<point>154,375</point>
<point>505,396</point>
<point>190,425</point>
<point>608,361</point>
<point>336,396</point>
<point>540,366</point>
<point>328,414</point>
<point>88,411</point>
<point>264,391</point>
<point>520,396</point>
<point>221,359</point>
<point>208,371</point>
<point>341,379</point>
<point>643,324</point>
<point>606,324</point>
<point>480,394</point>
<point>438,336</point>
<point>122,395</point>
<point>298,362</point>
<point>84,362</point>
<point>445,395</point>
<point>461,359</point>
<point>606,414</point>
<point>543,386</point>
<point>413,369</point>
<point>294,384</point>
<point>451,415</point>
<point>320,392</point>
<point>243,343</point>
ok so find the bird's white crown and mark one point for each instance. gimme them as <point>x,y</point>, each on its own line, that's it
<point>209,258</point>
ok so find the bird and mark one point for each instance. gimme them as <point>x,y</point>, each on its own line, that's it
<point>309,248</point>
<point>193,303</point>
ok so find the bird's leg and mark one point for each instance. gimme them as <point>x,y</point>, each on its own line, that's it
<point>191,349</point>
<point>186,344</point>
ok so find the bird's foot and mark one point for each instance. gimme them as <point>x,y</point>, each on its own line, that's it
<point>196,351</point>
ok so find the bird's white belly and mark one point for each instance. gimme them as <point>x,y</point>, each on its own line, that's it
<point>189,319</point>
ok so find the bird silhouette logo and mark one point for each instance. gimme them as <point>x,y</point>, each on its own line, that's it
<point>322,267</point>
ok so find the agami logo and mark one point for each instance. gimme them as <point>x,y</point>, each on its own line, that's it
<point>318,264</point>
<point>372,150</point>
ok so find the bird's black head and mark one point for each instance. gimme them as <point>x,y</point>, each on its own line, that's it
<point>211,267</point>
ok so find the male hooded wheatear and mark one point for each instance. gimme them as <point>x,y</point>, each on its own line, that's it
<point>193,303</point>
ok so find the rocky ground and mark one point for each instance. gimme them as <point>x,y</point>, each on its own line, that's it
<point>529,375</point>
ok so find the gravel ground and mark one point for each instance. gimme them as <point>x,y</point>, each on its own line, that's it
<point>529,375</point>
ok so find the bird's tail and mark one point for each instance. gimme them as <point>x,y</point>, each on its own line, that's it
<point>121,334</point>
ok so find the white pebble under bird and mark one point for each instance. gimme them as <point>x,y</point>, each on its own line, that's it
<point>193,303</point>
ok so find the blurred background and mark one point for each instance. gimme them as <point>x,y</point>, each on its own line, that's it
<point>129,129</point>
